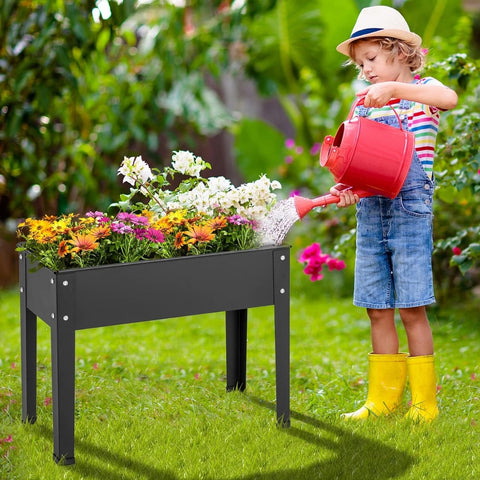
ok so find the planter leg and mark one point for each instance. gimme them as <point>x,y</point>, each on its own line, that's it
<point>282,337</point>
<point>28,327</point>
<point>63,393</point>
<point>236,336</point>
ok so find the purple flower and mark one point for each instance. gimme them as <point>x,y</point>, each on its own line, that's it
<point>315,148</point>
<point>238,220</point>
<point>119,227</point>
<point>154,235</point>
<point>100,217</point>
<point>132,218</point>
<point>294,193</point>
<point>289,142</point>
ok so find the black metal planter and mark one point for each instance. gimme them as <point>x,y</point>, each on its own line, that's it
<point>77,299</point>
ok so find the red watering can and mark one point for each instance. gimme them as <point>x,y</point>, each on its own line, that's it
<point>368,157</point>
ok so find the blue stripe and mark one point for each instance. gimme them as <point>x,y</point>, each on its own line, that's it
<point>365,31</point>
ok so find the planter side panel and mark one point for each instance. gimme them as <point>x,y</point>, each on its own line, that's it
<point>177,287</point>
<point>40,288</point>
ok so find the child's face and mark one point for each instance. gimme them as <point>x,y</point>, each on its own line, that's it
<point>378,66</point>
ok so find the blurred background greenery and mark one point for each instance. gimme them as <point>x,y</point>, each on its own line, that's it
<point>253,86</point>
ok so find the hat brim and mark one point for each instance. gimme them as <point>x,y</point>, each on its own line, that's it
<point>409,37</point>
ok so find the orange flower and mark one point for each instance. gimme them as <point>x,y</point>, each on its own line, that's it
<point>62,249</point>
<point>101,232</point>
<point>83,242</point>
<point>179,240</point>
<point>200,233</point>
<point>217,223</point>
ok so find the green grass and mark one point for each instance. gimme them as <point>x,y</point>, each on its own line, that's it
<point>151,402</point>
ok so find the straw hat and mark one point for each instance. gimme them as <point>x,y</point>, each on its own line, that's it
<point>380,21</point>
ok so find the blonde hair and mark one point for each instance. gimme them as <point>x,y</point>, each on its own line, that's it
<point>413,56</point>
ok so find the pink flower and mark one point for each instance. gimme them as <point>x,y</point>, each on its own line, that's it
<point>456,250</point>
<point>288,159</point>
<point>309,252</point>
<point>294,193</point>
<point>315,260</point>
<point>95,366</point>
<point>315,148</point>
<point>289,142</point>
<point>47,401</point>
<point>7,439</point>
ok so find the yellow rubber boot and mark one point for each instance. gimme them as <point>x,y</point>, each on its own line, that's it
<point>423,386</point>
<point>386,383</point>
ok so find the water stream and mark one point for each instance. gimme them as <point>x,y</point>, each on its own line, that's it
<point>274,228</point>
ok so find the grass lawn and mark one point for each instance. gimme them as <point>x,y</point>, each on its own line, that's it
<point>151,402</point>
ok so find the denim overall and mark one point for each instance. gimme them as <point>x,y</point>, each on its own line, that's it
<point>394,239</point>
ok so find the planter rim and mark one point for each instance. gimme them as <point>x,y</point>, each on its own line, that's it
<point>159,260</point>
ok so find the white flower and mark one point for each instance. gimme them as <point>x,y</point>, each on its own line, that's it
<point>134,169</point>
<point>187,163</point>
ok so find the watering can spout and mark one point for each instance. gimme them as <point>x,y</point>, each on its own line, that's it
<point>304,205</point>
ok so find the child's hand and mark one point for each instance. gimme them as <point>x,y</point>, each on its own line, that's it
<point>377,95</point>
<point>347,197</point>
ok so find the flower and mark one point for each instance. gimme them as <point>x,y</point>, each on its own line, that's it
<point>134,169</point>
<point>315,259</point>
<point>456,250</point>
<point>200,215</point>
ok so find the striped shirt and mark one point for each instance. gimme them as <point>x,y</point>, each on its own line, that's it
<point>423,121</point>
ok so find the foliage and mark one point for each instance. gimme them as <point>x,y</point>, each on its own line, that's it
<point>77,91</point>
<point>199,216</point>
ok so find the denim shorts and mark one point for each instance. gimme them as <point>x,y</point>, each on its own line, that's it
<point>393,266</point>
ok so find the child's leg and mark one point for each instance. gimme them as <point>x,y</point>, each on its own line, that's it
<point>419,334</point>
<point>420,364</point>
<point>383,330</point>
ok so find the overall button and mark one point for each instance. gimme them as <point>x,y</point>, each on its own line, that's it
<point>427,186</point>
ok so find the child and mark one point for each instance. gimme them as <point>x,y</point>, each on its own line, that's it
<point>394,237</point>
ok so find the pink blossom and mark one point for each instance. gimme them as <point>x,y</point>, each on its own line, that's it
<point>7,439</point>
<point>95,366</point>
<point>288,159</point>
<point>294,193</point>
<point>315,259</point>
<point>315,148</point>
<point>299,150</point>
<point>309,252</point>
<point>289,142</point>
<point>456,250</point>
<point>154,235</point>
<point>47,401</point>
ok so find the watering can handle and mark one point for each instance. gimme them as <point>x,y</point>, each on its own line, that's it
<point>360,100</point>
<point>327,152</point>
<point>328,199</point>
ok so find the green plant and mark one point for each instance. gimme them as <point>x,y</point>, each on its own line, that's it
<point>198,216</point>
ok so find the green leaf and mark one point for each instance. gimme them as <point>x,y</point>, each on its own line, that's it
<point>259,147</point>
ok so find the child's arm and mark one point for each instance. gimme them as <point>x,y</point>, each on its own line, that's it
<point>438,96</point>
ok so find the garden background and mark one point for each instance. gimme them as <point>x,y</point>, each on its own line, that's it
<point>253,87</point>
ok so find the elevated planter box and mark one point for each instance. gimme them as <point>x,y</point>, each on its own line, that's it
<point>76,299</point>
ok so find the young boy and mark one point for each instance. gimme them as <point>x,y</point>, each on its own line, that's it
<point>394,237</point>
